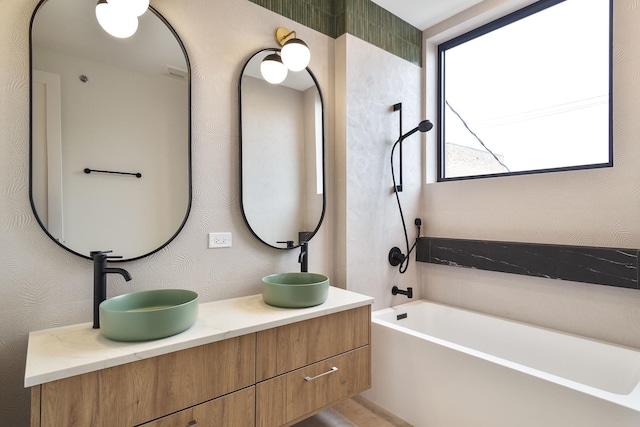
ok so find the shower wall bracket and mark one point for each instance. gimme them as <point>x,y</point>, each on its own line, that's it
<point>398,107</point>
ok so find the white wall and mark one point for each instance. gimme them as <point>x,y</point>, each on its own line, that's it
<point>590,207</point>
<point>282,128</point>
<point>369,82</point>
<point>43,286</point>
<point>313,128</point>
<point>273,140</point>
<point>151,137</point>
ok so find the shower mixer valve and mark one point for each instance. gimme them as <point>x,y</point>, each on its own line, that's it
<point>396,256</point>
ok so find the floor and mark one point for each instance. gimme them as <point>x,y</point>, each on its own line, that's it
<point>358,412</point>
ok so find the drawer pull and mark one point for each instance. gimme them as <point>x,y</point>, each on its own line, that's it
<point>334,369</point>
<point>192,423</point>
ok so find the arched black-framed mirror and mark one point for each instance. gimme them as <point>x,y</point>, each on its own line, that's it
<point>282,160</point>
<point>108,105</point>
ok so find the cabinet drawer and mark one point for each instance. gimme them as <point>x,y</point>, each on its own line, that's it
<point>290,397</point>
<point>236,409</point>
<point>140,391</point>
<point>289,347</point>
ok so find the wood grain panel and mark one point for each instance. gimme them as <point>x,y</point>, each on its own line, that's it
<point>289,398</point>
<point>233,410</point>
<point>35,405</point>
<point>293,346</point>
<point>137,392</point>
<point>73,401</point>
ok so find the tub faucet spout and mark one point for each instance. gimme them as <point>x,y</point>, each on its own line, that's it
<point>100,271</point>
<point>409,292</point>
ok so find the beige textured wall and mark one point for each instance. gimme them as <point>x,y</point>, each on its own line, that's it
<point>590,207</point>
<point>43,286</point>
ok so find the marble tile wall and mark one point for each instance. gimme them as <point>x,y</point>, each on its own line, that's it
<point>369,81</point>
<point>602,266</point>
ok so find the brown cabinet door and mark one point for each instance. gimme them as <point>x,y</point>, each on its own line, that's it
<point>288,398</point>
<point>233,410</point>
<point>137,392</point>
<point>289,347</point>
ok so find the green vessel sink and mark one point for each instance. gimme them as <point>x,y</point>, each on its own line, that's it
<point>295,290</point>
<point>148,315</point>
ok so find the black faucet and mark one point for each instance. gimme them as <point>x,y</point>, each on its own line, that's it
<point>303,258</point>
<point>100,271</point>
<point>409,292</point>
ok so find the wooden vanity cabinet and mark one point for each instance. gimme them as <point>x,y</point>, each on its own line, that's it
<point>305,367</point>
<point>137,392</point>
<point>270,378</point>
<point>233,410</point>
<point>289,398</point>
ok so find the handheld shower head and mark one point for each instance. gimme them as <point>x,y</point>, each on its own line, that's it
<point>395,256</point>
<point>424,126</point>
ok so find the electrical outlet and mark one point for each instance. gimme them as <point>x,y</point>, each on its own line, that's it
<point>219,240</point>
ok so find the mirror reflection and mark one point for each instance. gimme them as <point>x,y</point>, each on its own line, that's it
<point>282,155</point>
<point>115,105</point>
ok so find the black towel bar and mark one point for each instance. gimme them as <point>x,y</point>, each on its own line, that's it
<point>137,174</point>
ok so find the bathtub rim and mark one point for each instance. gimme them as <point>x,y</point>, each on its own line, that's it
<point>629,401</point>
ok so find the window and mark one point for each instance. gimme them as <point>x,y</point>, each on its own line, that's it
<point>528,93</point>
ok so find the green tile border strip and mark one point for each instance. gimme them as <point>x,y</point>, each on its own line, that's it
<point>360,18</point>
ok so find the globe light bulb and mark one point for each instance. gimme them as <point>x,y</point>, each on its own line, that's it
<point>296,54</point>
<point>116,20</point>
<point>272,69</point>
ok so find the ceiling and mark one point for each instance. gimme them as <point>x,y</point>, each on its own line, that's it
<point>423,14</point>
<point>70,26</point>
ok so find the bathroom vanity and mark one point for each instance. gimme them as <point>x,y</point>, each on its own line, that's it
<point>243,363</point>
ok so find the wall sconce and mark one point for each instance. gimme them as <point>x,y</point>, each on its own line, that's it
<point>295,53</point>
<point>272,69</point>
<point>294,56</point>
<point>120,17</point>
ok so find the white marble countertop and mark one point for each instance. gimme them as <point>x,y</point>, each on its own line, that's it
<point>67,351</point>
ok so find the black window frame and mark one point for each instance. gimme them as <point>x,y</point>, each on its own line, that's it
<point>487,28</point>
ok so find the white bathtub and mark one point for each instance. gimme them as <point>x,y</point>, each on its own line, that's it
<point>447,367</point>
